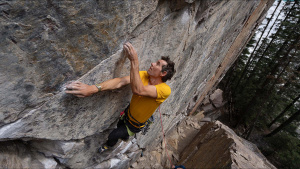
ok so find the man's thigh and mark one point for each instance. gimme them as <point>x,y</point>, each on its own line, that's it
<point>120,132</point>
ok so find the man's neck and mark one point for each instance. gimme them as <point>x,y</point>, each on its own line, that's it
<point>154,80</point>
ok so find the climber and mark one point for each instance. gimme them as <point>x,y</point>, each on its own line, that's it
<point>149,91</point>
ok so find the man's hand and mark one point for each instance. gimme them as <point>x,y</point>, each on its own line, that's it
<point>80,89</point>
<point>130,52</point>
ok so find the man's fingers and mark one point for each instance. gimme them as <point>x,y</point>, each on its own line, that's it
<point>73,83</point>
<point>74,86</point>
<point>129,45</point>
<point>77,82</point>
<point>69,91</point>
<point>126,48</point>
<point>75,92</point>
<point>129,49</point>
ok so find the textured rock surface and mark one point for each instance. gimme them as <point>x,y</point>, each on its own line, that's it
<point>218,143</point>
<point>180,137</point>
<point>15,154</point>
<point>47,43</point>
<point>213,145</point>
<point>212,106</point>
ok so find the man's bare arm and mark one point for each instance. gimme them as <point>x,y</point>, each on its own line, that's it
<point>115,83</point>
<point>83,90</point>
<point>136,83</point>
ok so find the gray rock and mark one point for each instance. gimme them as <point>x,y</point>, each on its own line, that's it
<point>61,149</point>
<point>14,154</point>
<point>176,34</point>
<point>206,119</point>
<point>45,44</point>
<point>213,101</point>
<point>217,98</point>
<point>217,146</point>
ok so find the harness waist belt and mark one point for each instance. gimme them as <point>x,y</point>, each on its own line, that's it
<point>135,122</point>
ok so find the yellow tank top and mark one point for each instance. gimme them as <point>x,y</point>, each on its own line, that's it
<point>142,107</point>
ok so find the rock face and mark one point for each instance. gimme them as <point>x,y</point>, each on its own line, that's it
<point>200,144</point>
<point>45,44</point>
<point>217,146</point>
<point>15,154</point>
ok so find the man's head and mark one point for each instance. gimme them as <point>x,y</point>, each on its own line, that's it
<point>163,68</point>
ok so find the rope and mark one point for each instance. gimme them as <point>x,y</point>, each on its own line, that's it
<point>162,127</point>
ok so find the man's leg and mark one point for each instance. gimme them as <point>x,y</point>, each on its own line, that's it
<point>119,133</point>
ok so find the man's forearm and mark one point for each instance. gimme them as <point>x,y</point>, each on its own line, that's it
<point>135,79</point>
<point>112,84</point>
<point>80,89</point>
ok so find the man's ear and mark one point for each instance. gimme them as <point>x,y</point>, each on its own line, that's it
<point>164,73</point>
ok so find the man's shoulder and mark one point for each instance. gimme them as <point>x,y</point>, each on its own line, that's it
<point>164,86</point>
<point>163,92</point>
<point>143,73</point>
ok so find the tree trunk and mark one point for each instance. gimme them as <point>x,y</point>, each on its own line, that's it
<point>262,55</point>
<point>260,91</point>
<point>279,92</point>
<point>261,104</point>
<point>284,111</point>
<point>272,104</point>
<point>287,122</point>
<point>275,20</point>
<point>229,80</point>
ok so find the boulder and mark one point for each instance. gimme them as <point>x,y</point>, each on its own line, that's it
<point>14,154</point>
<point>217,146</point>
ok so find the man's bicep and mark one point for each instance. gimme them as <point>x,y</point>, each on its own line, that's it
<point>150,91</point>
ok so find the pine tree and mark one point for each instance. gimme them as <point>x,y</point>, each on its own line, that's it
<point>284,124</point>
<point>284,111</point>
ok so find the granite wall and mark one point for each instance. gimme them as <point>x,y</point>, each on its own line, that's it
<point>45,44</point>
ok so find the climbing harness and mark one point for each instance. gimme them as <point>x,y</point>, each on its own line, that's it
<point>147,126</point>
<point>126,113</point>
<point>131,125</point>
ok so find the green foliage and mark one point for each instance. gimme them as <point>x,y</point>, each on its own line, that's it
<point>286,149</point>
<point>265,81</point>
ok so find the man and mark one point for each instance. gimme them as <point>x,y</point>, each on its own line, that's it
<point>148,88</point>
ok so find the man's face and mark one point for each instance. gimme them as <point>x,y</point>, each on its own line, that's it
<point>155,68</point>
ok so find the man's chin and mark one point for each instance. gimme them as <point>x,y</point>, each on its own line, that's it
<point>148,71</point>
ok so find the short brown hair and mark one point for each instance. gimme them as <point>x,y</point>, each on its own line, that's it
<point>169,68</point>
